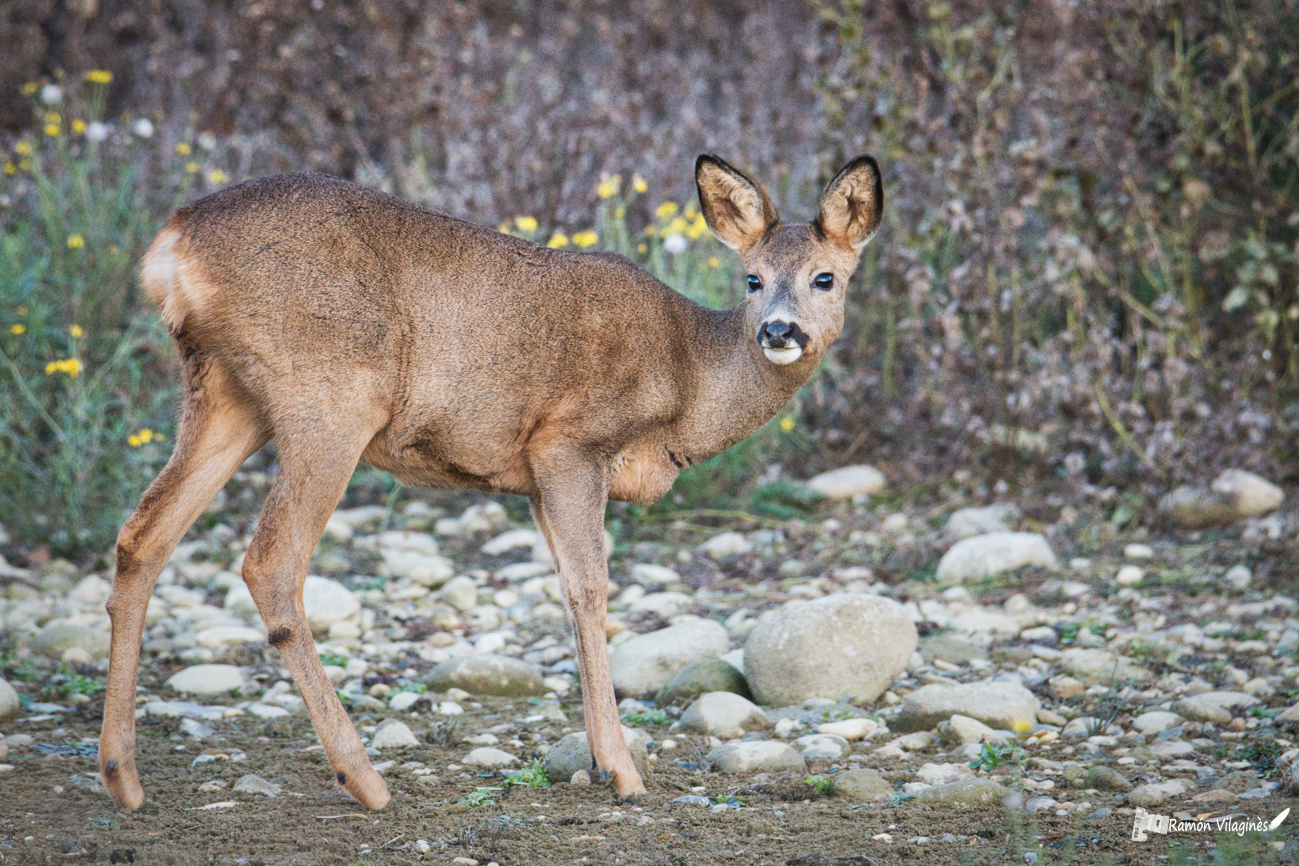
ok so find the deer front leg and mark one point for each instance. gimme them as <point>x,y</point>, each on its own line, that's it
<point>569,510</point>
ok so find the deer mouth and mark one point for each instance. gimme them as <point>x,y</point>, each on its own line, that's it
<point>784,354</point>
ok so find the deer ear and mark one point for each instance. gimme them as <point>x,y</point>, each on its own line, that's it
<point>851,205</point>
<point>735,206</point>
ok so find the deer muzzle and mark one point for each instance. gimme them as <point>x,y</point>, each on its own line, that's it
<point>782,342</point>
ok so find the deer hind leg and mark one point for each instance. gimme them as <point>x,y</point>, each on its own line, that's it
<point>313,476</point>
<point>569,510</point>
<point>218,431</point>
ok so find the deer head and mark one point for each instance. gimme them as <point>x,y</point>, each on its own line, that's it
<point>798,272</point>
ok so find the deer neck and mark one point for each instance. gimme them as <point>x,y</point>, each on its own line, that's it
<point>736,390</point>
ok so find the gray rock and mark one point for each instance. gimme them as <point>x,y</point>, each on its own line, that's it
<point>485,674</point>
<point>251,784</point>
<point>1093,666</point>
<point>207,679</point>
<point>990,554</point>
<point>964,794</point>
<point>1156,722</point>
<point>968,522</point>
<point>999,705</point>
<point>1213,707</point>
<point>726,544</point>
<point>10,706</point>
<point>461,593</point>
<point>58,637</point>
<point>704,674</point>
<point>645,663</point>
<point>486,756</point>
<point>961,730</point>
<point>843,645</point>
<point>1040,804</point>
<point>1234,496</point>
<point>327,602</point>
<point>723,714</point>
<point>1105,778</point>
<point>821,747</point>
<point>862,785</point>
<point>572,755</point>
<point>847,482</point>
<point>761,756</point>
<point>196,729</point>
<point>951,648</point>
<point>1147,796</point>
<point>392,734</point>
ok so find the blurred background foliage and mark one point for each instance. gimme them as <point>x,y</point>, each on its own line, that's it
<point>1086,280</point>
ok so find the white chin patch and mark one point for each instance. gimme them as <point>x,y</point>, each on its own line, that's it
<point>787,355</point>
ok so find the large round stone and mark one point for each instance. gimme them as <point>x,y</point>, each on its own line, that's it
<point>9,703</point>
<point>645,663</point>
<point>327,602</point>
<point>486,674</point>
<point>572,754</point>
<point>59,637</point>
<point>704,674</point>
<point>998,704</point>
<point>845,645</point>
<point>724,715</point>
<point>207,679</point>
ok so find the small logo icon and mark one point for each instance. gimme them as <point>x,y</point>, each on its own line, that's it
<point>1143,822</point>
<point>1276,822</point>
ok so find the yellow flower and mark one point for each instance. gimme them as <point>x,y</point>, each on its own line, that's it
<point>651,230</point>
<point>638,183</point>
<point>691,211</point>
<point>17,329</point>
<point>606,189</point>
<point>192,167</point>
<point>184,149</point>
<point>134,440</point>
<point>557,241</point>
<point>676,227</point>
<point>30,88</point>
<point>24,165</point>
<point>10,168</point>
<point>526,223</point>
<point>52,130</point>
<point>23,148</point>
<point>78,126</point>
<point>216,176</point>
<point>620,212</point>
<point>787,424</point>
<point>1021,726</point>
<point>585,239</point>
<point>667,210</point>
<point>99,76</point>
<point>71,366</point>
<point>697,227</point>
<point>76,242</point>
<point>503,228</point>
<point>76,332</point>
<point>642,248</point>
<point>713,262</point>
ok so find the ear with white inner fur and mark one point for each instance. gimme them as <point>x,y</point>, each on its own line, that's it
<point>735,206</point>
<point>851,205</point>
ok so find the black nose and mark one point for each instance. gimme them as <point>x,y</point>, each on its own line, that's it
<point>778,334</point>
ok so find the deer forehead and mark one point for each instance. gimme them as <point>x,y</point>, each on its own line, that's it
<point>791,250</point>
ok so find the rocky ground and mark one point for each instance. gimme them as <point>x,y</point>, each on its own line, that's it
<point>911,673</point>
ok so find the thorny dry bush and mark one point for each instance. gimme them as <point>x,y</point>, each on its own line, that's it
<point>1089,266</point>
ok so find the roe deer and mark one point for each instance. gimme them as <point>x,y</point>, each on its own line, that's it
<point>352,326</point>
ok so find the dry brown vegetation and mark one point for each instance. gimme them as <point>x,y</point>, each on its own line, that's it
<point>1092,209</point>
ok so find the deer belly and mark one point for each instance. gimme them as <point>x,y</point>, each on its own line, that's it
<point>642,477</point>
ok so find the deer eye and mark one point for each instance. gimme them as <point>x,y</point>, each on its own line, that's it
<point>824,281</point>
<point>755,284</point>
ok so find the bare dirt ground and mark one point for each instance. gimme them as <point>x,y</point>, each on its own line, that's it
<point>46,817</point>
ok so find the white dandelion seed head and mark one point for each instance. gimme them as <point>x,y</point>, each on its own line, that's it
<point>51,94</point>
<point>675,244</point>
<point>143,128</point>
